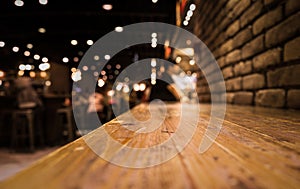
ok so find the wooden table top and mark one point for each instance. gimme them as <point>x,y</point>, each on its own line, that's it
<point>256,148</point>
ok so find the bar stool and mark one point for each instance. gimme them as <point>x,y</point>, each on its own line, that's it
<point>22,119</point>
<point>67,124</point>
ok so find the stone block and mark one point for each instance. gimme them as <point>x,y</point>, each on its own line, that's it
<point>274,98</point>
<point>283,31</point>
<point>233,56</point>
<point>227,72</point>
<point>267,20</point>
<point>243,98</point>
<point>241,7</point>
<point>234,84</point>
<point>233,28</point>
<point>286,76</point>
<point>292,6</point>
<point>253,47</point>
<point>270,57</point>
<point>253,82</point>
<point>242,68</point>
<point>292,50</point>
<point>226,47</point>
<point>242,37</point>
<point>251,13</point>
<point>293,98</point>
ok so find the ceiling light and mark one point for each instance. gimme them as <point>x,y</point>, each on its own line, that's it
<point>107,57</point>
<point>153,75</point>
<point>153,62</point>
<point>22,67</point>
<point>36,57</point>
<point>2,44</point>
<point>89,42</point>
<point>2,73</point>
<point>153,45</point>
<point>27,67</point>
<point>192,62</point>
<point>15,49</point>
<point>45,59</point>
<point>101,83</point>
<point>65,60</point>
<point>110,93</point>
<point>185,23</point>
<point>73,69</point>
<point>29,46</point>
<point>43,2</point>
<point>188,42</point>
<point>154,35</point>
<point>154,1</point>
<point>189,13</point>
<point>192,7</point>
<point>48,83</point>
<point>136,87</point>
<point>76,76</point>
<point>107,6</point>
<point>96,58</point>
<point>19,3</point>
<point>75,59</point>
<point>178,59</point>
<point>43,74</point>
<point>27,53</point>
<point>142,86</point>
<point>44,66</point>
<point>74,42</point>
<point>20,73</point>
<point>167,43</point>
<point>118,66</point>
<point>119,86</point>
<point>85,68</point>
<point>42,30</point>
<point>126,89</point>
<point>118,29</point>
<point>32,74</point>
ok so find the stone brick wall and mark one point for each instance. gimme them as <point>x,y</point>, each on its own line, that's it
<point>257,46</point>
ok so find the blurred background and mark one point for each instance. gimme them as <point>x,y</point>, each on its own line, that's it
<point>255,43</point>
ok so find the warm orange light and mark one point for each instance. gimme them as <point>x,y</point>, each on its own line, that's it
<point>107,6</point>
<point>43,74</point>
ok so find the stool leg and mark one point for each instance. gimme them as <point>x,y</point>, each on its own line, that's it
<point>69,125</point>
<point>31,134</point>
<point>14,132</point>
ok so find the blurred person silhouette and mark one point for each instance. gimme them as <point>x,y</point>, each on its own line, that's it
<point>96,105</point>
<point>27,97</point>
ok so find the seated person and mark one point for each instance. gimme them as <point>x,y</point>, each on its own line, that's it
<point>27,97</point>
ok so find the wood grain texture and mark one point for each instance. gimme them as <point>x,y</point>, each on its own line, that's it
<point>256,148</point>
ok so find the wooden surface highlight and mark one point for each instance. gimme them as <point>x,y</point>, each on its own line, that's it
<point>256,148</point>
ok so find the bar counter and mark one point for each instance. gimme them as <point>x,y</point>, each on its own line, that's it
<point>256,148</point>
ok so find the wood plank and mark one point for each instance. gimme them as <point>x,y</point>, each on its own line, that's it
<point>253,150</point>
